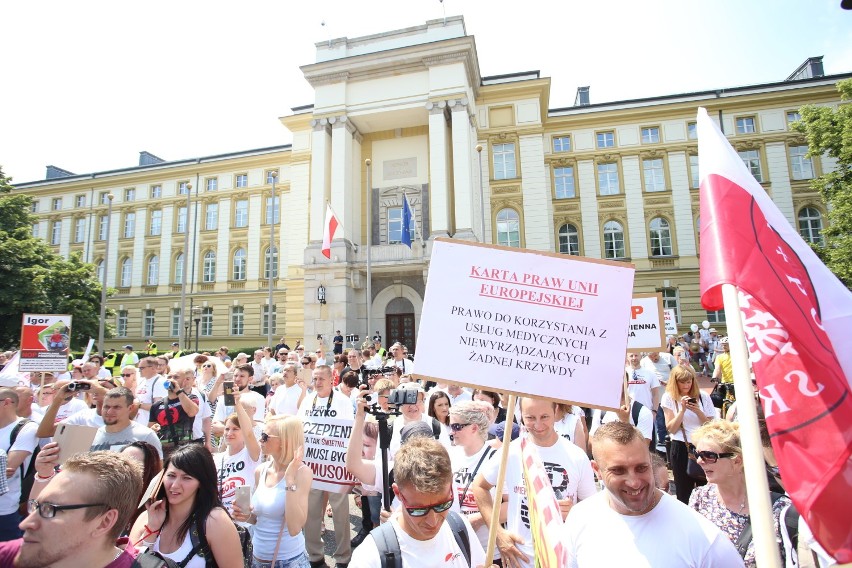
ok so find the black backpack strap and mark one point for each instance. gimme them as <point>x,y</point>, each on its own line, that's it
<point>635,409</point>
<point>387,545</point>
<point>151,559</point>
<point>460,534</point>
<point>746,536</point>
<point>436,428</point>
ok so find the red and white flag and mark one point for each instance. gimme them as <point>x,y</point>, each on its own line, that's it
<point>797,319</point>
<point>331,225</point>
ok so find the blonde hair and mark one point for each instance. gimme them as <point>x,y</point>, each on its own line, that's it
<point>681,372</point>
<point>474,412</point>
<point>383,384</point>
<point>291,435</point>
<point>722,433</point>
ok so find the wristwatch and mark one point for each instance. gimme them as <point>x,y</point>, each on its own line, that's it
<point>290,487</point>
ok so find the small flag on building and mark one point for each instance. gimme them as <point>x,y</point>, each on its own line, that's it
<point>408,228</point>
<point>331,225</point>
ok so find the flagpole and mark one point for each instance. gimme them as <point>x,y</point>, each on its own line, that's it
<point>369,164</point>
<point>757,487</point>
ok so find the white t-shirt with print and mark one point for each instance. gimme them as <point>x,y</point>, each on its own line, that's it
<point>442,550</point>
<point>570,474</point>
<point>690,421</point>
<point>203,412</point>
<point>239,470</point>
<point>70,408</point>
<point>567,427</point>
<point>640,384</point>
<point>464,469</point>
<point>146,391</point>
<point>285,400</point>
<point>25,441</point>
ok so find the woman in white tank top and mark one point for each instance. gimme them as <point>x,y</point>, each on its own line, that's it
<point>237,464</point>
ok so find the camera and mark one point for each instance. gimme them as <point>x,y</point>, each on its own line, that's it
<point>396,399</point>
<point>79,387</point>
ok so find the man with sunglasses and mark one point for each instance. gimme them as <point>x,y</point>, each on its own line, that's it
<point>78,516</point>
<point>289,396</point>
<point>423,485</point>
<point>150,388</point>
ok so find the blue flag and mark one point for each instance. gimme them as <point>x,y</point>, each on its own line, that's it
<point>407,223</point>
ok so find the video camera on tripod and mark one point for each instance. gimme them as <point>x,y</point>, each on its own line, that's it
<point>396,398</point>
<point>366,373</point>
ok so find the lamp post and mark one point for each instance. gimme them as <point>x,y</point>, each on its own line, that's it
<point>369,164</point>
<point>183,317</point>
<point>101,323</point>
<point>321,295</point>
<point>196,312</point>
<point>481,194</point>
<point>274,176</point>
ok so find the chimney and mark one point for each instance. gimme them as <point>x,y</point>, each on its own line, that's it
<point>53,173</point>
<point>148,159</point>
<point>582,98</point>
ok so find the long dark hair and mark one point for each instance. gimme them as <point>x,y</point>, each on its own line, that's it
<point>195,460</point>
<point>152,463</point>
<point>436,396</point>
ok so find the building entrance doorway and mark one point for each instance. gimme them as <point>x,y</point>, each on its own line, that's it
<point>399,322</point>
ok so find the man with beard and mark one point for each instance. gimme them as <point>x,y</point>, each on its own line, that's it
<point>118,429</point>
<point>622,526</point>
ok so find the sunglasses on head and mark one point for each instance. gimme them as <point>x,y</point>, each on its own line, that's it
<point>712,457</point>
<point>458,427</point>
<point>423,511</point>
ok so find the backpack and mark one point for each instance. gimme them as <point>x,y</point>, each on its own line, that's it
<point>28,476</point>
<point>388,544</point>
<point>152,559</point>
<point>200,545</point>
<point>789,530</point>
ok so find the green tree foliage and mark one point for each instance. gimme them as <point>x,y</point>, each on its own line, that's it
<point>34,279</point>
<point>829,132</point>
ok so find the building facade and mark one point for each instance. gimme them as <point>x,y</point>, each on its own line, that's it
<point>478,158</point>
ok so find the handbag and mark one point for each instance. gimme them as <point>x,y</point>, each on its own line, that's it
<point>693,468</point>
<point>718,394</point>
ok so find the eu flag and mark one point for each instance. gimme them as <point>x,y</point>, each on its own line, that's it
<point>407,223</point>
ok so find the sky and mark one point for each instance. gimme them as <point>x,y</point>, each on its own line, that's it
<point>89,84</point>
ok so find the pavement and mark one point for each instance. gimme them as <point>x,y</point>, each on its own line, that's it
<point>328,532</point>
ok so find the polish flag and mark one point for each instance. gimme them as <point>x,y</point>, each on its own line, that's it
<point>797,318</point>
<point>331,225</point>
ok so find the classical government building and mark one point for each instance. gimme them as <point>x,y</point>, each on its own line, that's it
<point>478,158</point>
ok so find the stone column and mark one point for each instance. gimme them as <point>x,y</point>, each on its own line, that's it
<point>462,169</point>
<point>342,166</point>
<point>320,176</point>
<point>439,168</point>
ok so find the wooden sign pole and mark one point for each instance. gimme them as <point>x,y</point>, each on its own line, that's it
<point>501,478</point>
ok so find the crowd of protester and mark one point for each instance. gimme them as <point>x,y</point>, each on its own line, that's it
<point>219,437</point>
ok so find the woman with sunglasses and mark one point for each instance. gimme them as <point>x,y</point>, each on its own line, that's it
<point>686,408</point>
<point>207,380</point>
<point>237,464</point>
<point>724,500</point>
<point>280,498</point>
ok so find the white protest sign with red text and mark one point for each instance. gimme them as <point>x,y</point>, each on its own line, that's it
<point>326,440</point>
<point>527,322</point>
<point>670,321</point>
<point>45,340</point>
<point>646,324</point>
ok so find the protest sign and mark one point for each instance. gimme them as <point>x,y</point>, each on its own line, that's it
<point>45,339</point>
<point>646,324</point>
<point>326,440</point>
<point>526,322</point>
<point>671,322</point>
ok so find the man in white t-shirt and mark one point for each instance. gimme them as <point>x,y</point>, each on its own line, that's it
<point>415,413</point>
<point>397,359</point>
<point>622,525</point>
<point>149,389</point>
<point>18,457</point>
<point>457,394</point>
<point>289,396</point>
<point>642,384</point>
<point>242,381</point>
<point>423,487</point>
<point>324,403</point>
<point>567,467</point>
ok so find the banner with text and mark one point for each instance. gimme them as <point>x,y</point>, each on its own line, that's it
<point>647,324</point>
<point>671,321</point>
<point>326,440</point>
<point>45,339</point>
<point>528,322</point>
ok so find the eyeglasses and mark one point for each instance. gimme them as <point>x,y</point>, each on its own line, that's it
<point>127,374</point>
<point>712,457</point>
<point>48,510</point>
<point>423,511</point>
<point>458,427</point>
<point>264,437</point>
<point>143,367</point>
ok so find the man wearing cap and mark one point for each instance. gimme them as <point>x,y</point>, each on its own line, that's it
<point>176,350</point>
<point>129,357</point>
<point>412,413</point>
<point>100,371</point>
<point>150,348</point>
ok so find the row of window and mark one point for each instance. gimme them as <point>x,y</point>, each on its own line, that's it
<point>205,324</point>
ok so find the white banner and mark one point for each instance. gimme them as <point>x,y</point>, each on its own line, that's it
<point>532,323</point>
<point>326,440</point>
<point>671,322</point>
<point>646,324</point>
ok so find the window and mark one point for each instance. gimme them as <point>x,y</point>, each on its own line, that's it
<point>148,323</point>
<point>239,266</point>
<point>212,184</point>
<point>692,130</point>
<point>694,178</point>
<point>563,182</point>
<point>103,220</point>
<point>655,177</point>
<point>211,218</point>
<point>156,223</point>
<point>175,327</point>
<point>237,320</point>
<point>508,228</point>
<point>266,261</point>
<point>270,178</point>
<point>650,135</point>
<point>613,240</point>
<point>183,187</point>
<point>104,198</point>
<point>273,210</point>
<point>57,203</point>
<point>209,272</point>
<point>671,301</point>
<point>241,213</point>
<point>561,143</point>
<point>803,167</point>
<point>751,158</point>
<point>745,125</point>
<point>156,191</point>
<point>606,139</point>
<point>55,232</point>
<point>569,240</point>
<point>130,194</point>
<point>153,270</point>
<point>179,268</point>
<point>129,225</point>
<point>608,179</point>
<point>206,322</point>
<point>180,227</point>
<point>34,206</point>
<point>504,161</point>
<point>121,324</point>
<point>79,230</point>
<point>264,321</point>
<point>394,225</point>
<point>716,317</point>
<point>35,231</point>
<point>793,116</point>
<point>80,201</point>
<point>661,237</point>
<point>810,225</point>
<point>241,180</point>
<point>100,270</point>
<point>126,273</point>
